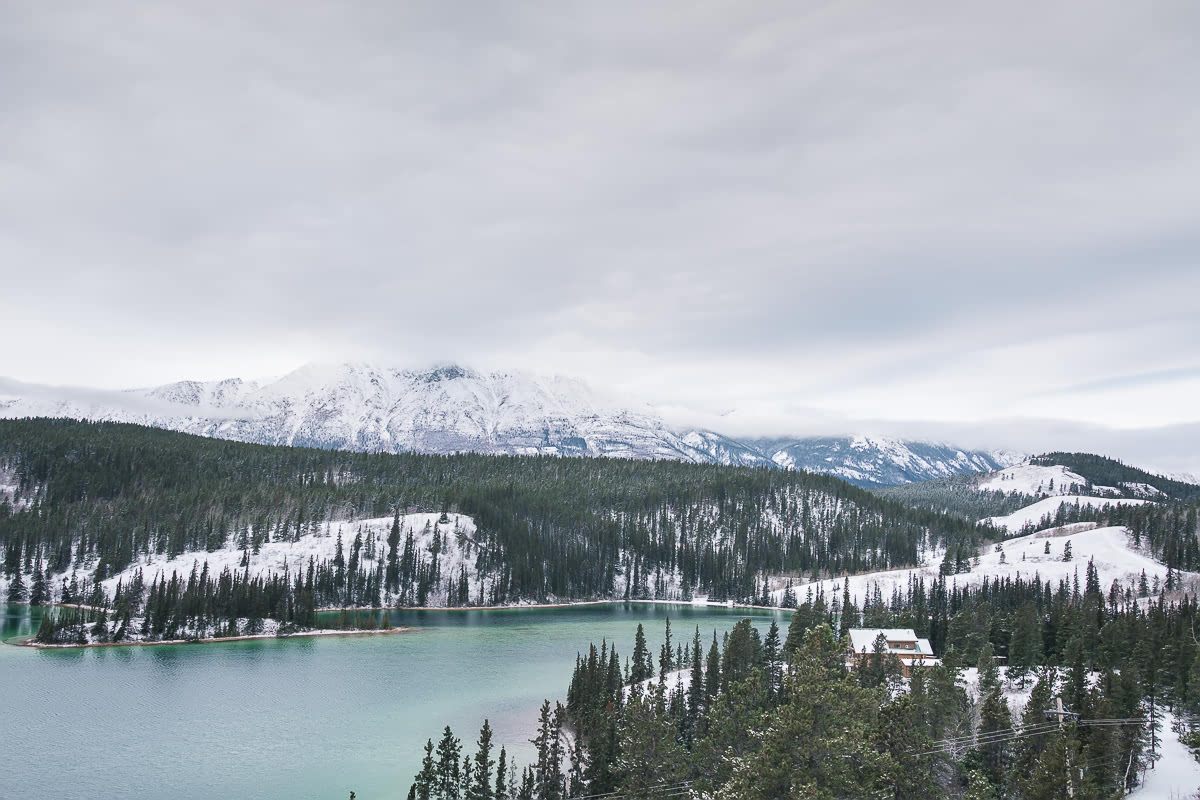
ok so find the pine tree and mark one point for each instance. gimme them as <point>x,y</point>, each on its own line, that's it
<point>712,670</point>
<point>548,771</point>
<point>994,721</point>
<point>989,674</point>
<point>650,755</point>
<point>1028,750</point>
<point>16,588</point>
<point>771,652</point>
<point>392,579</point>
<point>696,687</point>
<point>666,661</point>
<point>481,783</point>
<point>39,593</point>
<point>819,743</point>
<point>1054,776</point>
<point>1025,647</point>
<point>848,615</point>
<point>448,773</point>
<point>639,669</point>
<point>425,784</point>
<point>502,776</point>
<point>577,784</point>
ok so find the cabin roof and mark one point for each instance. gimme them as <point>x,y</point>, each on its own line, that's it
<point>864,639</point>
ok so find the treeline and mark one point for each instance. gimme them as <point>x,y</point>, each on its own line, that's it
<point>98,496</point>
<point>197,607</point>
<point>959,495</point>
<point>444,777</point>
<point>747,716</point>
<point>1170,532</point>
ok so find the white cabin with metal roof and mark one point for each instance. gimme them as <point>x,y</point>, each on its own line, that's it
<point>903,643</point>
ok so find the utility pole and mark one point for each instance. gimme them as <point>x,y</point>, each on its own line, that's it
<point>1063,715</point>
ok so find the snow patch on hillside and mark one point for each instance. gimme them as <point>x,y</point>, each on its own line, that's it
<point>8,492</point>
<point>1109,548</point>
<point>293,556</point>
<point>1032,479</point>
<point>671,681</point>
<point>1143,490</point>
<point>1176,775</point>
<point>1034,513</point>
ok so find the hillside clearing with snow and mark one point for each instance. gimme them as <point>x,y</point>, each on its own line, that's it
<point>321,545</point>
<point>1108,548</point>
<point>1034,513</point>
<point>1033,480</point>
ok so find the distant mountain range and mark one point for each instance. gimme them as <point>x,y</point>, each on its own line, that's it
<point>451,409</point>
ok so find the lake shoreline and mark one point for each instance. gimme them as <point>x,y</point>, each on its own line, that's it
<point>566,604</point>
<point>29,642</point>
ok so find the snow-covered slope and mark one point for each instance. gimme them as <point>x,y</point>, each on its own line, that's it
<point>451,409</point>
<point>881,461</point>
<point>1033,480</point>
<point>320,545</point>
<point>1034,513</point>
<point>1109,548</point>
<point>1176,774</point>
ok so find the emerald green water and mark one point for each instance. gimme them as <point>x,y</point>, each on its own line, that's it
<point>296,718</point>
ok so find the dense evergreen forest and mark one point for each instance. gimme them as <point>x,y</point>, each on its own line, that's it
<point>757,718</point>
<point>958,495</point>
<point>90,500</point>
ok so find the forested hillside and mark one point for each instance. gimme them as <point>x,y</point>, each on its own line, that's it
<point>998,494</point>
<point>96,498</point>
<point>1129,481</point>
<point>958,494</point>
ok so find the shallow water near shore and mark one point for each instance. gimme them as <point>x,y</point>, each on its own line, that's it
<point>298,718</point>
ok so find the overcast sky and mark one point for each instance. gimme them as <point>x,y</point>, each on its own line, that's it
<point>950,214</point>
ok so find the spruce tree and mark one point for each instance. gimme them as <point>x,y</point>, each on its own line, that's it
<point>448,772</point>
<point>392,578</point>
<point>425,784</point>
<point>650,755</point>
<point>771,652</point>
<point>502,776</point>
<point>1025,647</point>
<point>712,669</point>
<point>638,670</point>
<point>16,588</point>
<point>481,783</point>
<point>994,722</point>
<point>39,593</point>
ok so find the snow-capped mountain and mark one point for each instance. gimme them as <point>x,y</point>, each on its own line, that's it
<point>882,461</point>
<point>451,409</point>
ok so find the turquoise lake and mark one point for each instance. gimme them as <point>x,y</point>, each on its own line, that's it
<point>297,718</point>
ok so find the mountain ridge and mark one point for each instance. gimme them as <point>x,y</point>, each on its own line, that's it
<point>449,408</point>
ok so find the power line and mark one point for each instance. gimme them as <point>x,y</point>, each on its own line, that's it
<point>1008,735</point>
<point>617,794</point>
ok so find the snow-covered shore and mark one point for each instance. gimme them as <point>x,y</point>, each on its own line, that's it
<point>30,642</point>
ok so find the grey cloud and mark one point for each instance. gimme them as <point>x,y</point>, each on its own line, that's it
<point>867,192</point>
